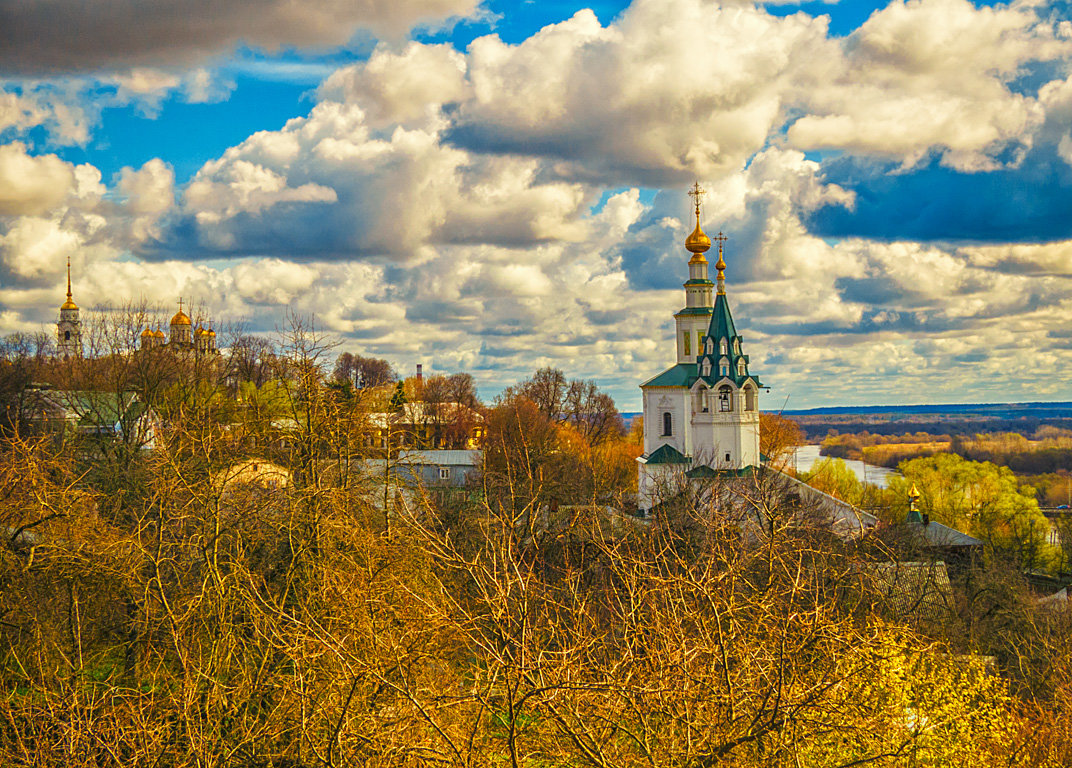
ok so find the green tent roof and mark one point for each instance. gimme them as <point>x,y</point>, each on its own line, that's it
<point>667,454</point>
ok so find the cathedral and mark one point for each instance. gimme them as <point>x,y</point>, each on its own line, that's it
<point>185,339</point>
<point>701,417</point>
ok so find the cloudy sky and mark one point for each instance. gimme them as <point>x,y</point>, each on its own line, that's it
<point>496,186</point>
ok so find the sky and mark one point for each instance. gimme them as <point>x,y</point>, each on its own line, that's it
<point>493,187</point>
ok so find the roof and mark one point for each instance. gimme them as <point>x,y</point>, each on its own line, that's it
<point>704,471</point>
<point>666,454</point>
<point>694,311</point>
<point>681,375</point>
<point>721,327</point>
<point>938,535</point>
<point>441,458</point>
<point>913,589</point>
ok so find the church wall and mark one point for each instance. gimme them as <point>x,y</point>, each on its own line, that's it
<point>672,400</point>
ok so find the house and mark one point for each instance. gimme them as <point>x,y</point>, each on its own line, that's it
<point>115,416</point>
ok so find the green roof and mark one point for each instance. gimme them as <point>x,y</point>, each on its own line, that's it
<point>667,454</point>
<point>698,281</point>
<point>694,311</point>
<point>704,471</point>
<point>681,375</point>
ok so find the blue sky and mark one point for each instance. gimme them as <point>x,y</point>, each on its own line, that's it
<point>498,186</point>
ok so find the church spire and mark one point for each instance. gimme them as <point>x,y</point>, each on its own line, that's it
<point>720,267</point>
<point>69,304</point>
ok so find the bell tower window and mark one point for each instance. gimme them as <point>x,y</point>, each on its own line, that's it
<point>706,367</point>
<point>688,344</point>
<point>668,424</point>
<point>725,399</point>
<point>722,347</point>
<point>66,335</point>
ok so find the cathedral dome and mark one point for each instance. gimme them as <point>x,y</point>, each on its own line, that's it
<point>69,304</point>
<point>148,333</point>
<point>180,318</point>
<point>697,242</point>
<point>159,334</point>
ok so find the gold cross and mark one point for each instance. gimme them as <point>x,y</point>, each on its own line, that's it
<point>696,193</point>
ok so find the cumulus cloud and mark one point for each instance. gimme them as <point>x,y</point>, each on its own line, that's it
<point>932,76</point>
<point>103,36</point>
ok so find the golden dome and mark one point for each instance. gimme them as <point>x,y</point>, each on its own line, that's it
<point>148,333</point>
<point>211,333</point>
<point>69,304</point>
<point>697,242</point>
<point>180,318</point>
<point>159,334</point>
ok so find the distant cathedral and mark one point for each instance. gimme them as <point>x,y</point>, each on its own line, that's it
<point>186,340</point>
<point>701,417</point>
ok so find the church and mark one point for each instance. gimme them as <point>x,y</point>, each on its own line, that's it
<point>185,340</point>
<point>701,416</point>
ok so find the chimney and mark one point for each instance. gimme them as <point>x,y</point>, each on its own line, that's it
<point>420,373</point>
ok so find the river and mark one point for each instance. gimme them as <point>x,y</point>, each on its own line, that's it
<point>807,456</point>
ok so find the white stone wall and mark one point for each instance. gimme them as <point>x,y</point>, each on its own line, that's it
<point>672,400</point>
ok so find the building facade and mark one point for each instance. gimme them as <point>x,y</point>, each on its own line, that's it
<point>701,416</point>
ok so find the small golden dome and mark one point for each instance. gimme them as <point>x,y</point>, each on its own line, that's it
<point>697,242</point>
<point>148,333</point>
<point>159,334</point>
<point>69,304</point>
<point>211,333</point>
<point>180,318</point>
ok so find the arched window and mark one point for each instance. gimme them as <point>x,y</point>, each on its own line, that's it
<point>740,367</point>
<point>688,344</point>
<point>710,345</point>
<point>749,399</point>
<point>722,347</point>
<point>725,399</point>
<point>706,366</point>
<point>66,335</point>
<point>724,367</point>
<point>668,424</point>
<point>736,347</point>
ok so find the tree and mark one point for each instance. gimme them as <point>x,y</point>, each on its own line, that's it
<point>362,372</point>
<point>981,499</point>
<point>778,437</point>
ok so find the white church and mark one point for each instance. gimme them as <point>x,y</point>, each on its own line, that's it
<point>701,417</point>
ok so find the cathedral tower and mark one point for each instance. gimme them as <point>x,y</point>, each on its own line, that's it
<point>69,327</point>
<point>701,417</point>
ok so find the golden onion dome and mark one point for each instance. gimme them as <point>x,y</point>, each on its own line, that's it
<point>211,333</point>
<point>180,318</point>
<point>148,333</point>
<point>69,304</point>
<point>697,242</point>
<point>159,334</point>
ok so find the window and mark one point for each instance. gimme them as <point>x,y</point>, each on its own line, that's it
<point>699,342</point>
<point>688,344</point>
<point>706,367</point>
<point>724,369</point>
<point>736,346</point>
<point>722,347</point>
<point>749,399</point>
<point>444,473</point>
<point>725,399</point>
<point>740,368</point>
<point>66,335</point>
<point>668,425</point>
<point>710,346</point>
<point>727,458</point>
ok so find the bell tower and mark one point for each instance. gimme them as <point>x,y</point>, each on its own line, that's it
<point>69,327</point>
